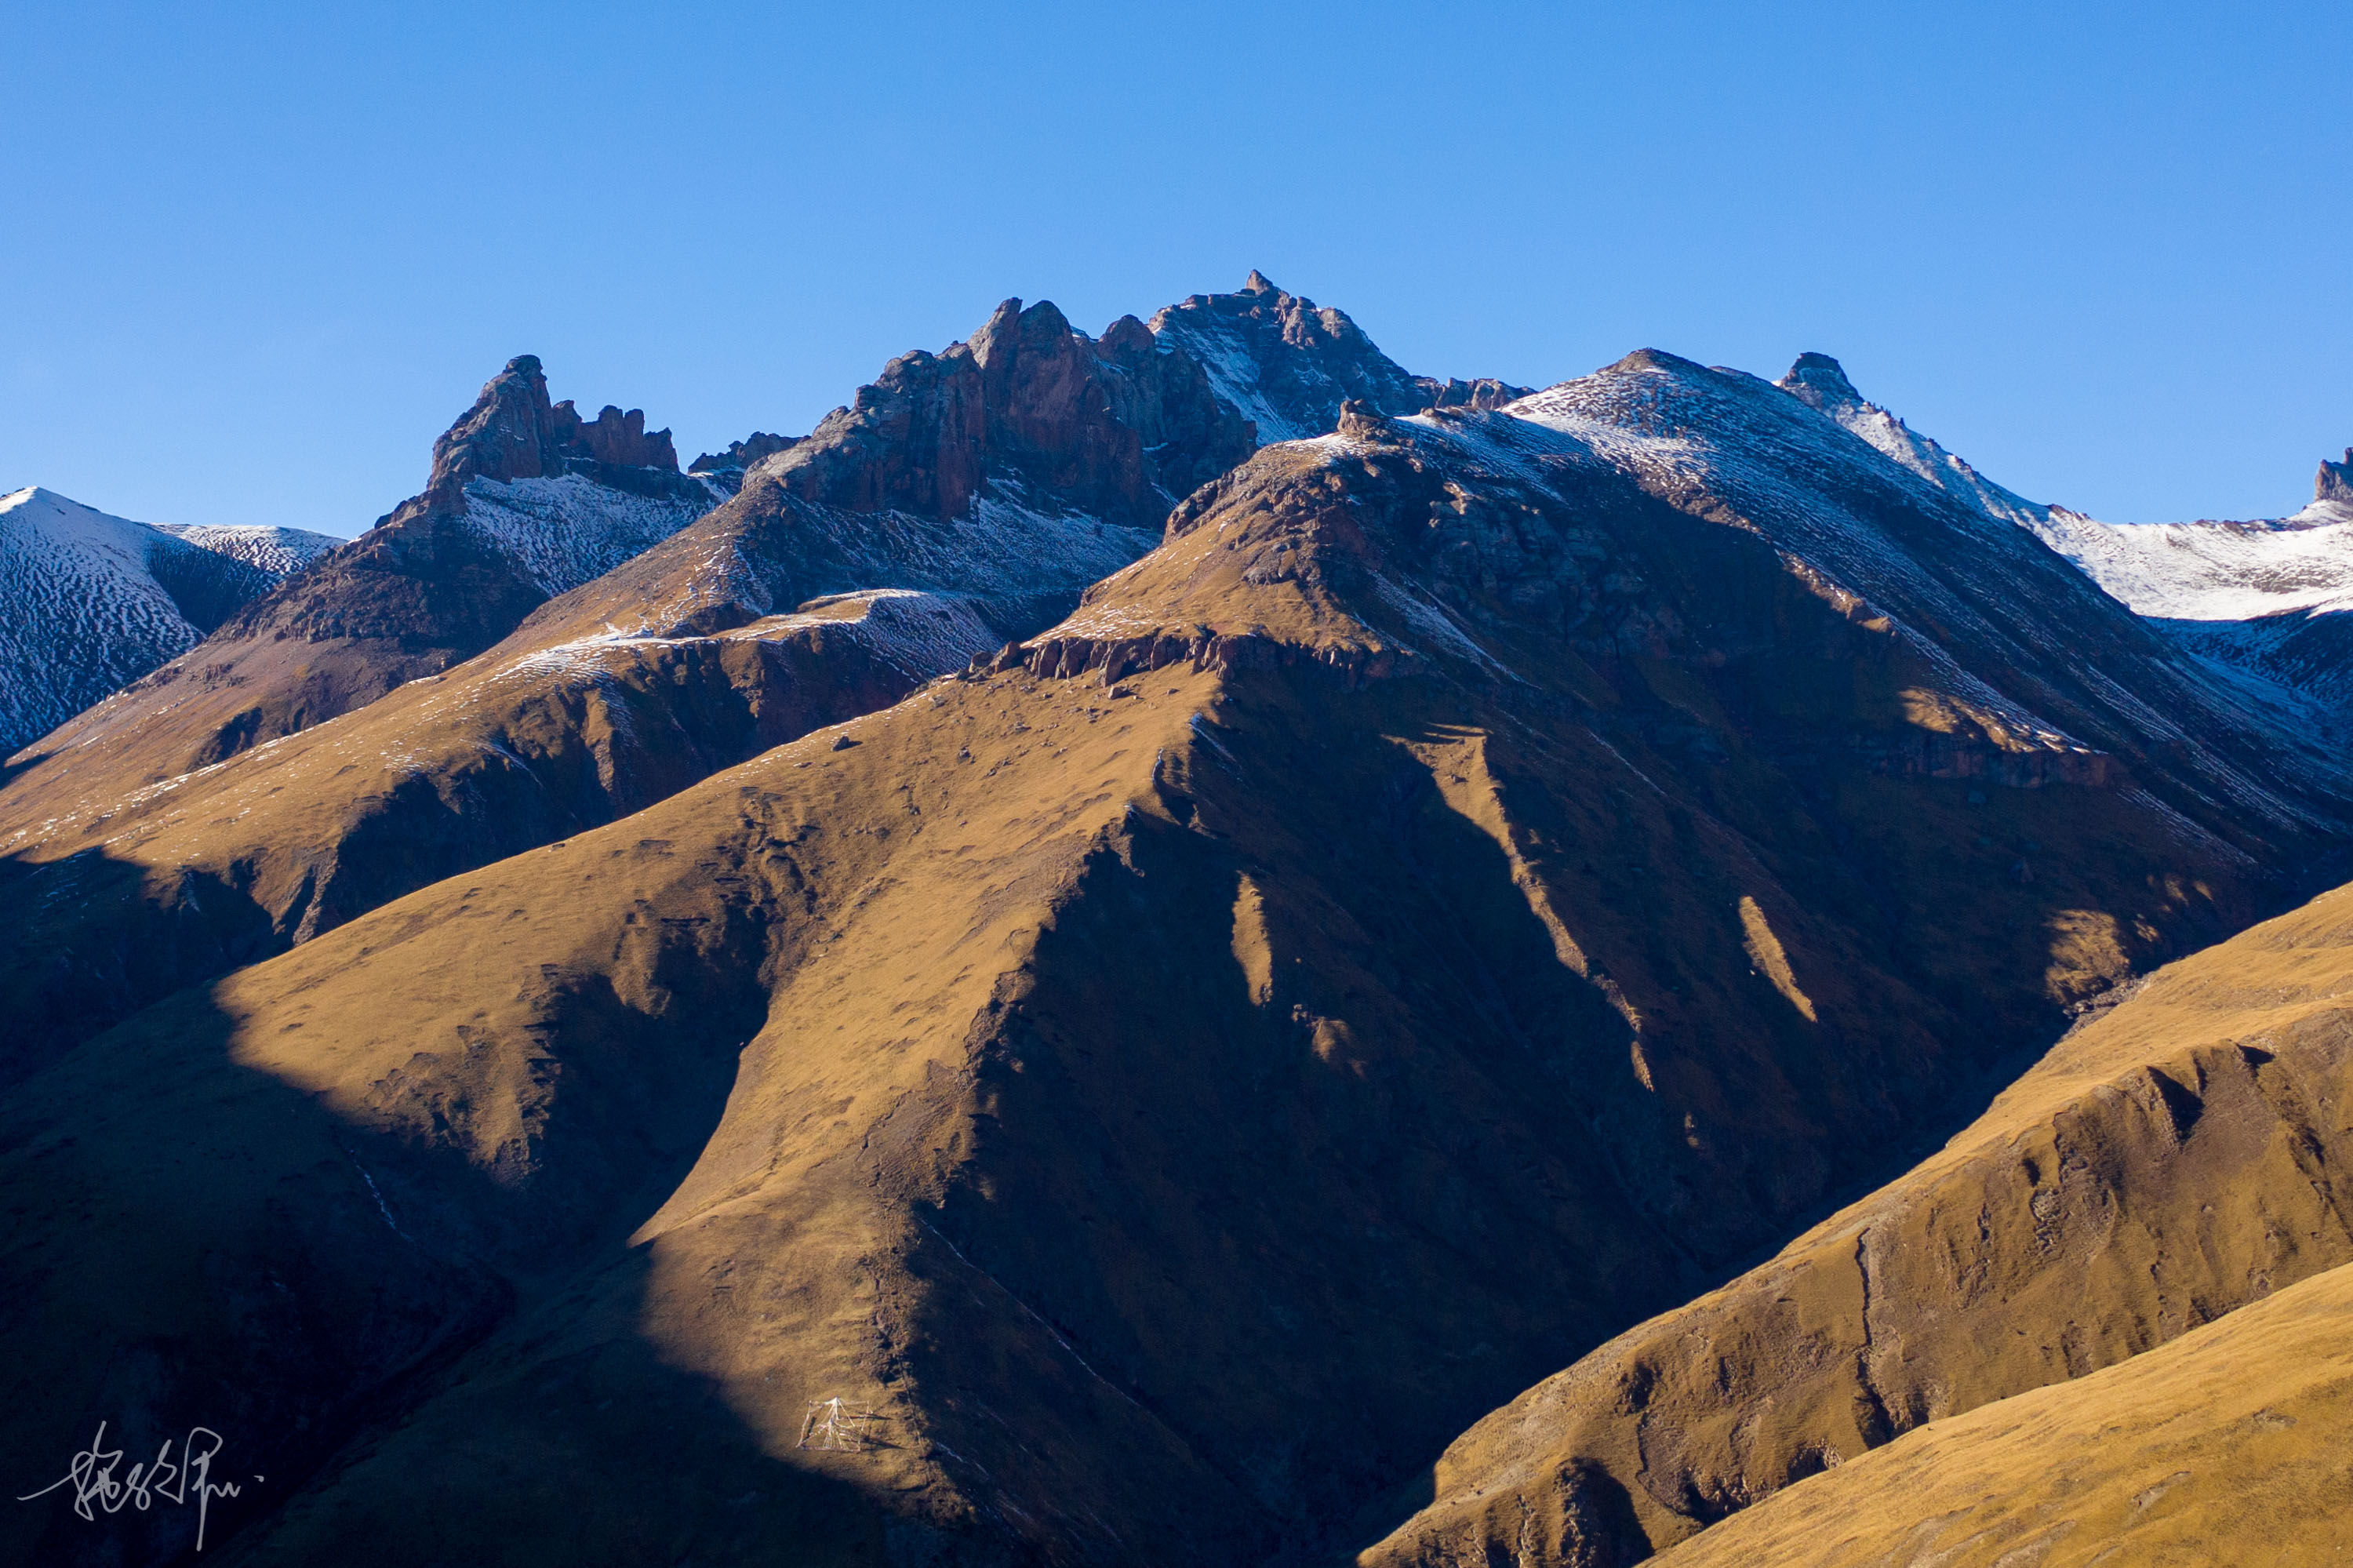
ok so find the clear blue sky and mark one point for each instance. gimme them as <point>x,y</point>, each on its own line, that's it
<point>257,257</point>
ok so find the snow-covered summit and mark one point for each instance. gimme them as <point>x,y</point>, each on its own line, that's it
<point>89,600</point>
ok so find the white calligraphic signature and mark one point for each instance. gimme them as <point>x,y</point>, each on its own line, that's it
<point>97,1488</point>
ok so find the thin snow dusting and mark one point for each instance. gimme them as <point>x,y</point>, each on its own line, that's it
<point>1232,371</point>
<point>919,634</point>
<point>570,530</point>
<point>280,552</point>
<point>80,612</point>
<point>1946,471</point>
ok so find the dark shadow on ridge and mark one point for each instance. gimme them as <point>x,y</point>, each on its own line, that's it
<point>196,1243</point>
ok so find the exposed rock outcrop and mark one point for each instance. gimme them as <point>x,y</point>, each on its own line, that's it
<point>513,433</point>
<point>1819,382</point>
<point>2335,482</point>
<point>741,455</point>
<point>1045,414</point>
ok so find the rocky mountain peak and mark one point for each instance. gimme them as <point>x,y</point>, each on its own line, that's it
<point>2335,482</point>
<point>742,455</point>
<point>1127,340</point>
<point>1286,362</point>
<point>1117,427</point>
<point>1819,382</point>
<point>513,431</point>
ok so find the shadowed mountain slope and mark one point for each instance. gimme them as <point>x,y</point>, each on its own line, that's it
<point>235,861</point>
<point>1479,876</point>
<point>2166,1163</point>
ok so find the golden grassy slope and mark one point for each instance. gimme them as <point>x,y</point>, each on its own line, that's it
<point>2166,1163</point>
<point>2231,1444</point>
<point>123,897</point>
<point>508,1059</point>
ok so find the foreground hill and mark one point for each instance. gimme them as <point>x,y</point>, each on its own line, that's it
<point>2164,1165</point>
<point>1477,877</point>
<point>89,601</point>
<point>2226,1446</point>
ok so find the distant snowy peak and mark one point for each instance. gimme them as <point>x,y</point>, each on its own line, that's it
<point>280,552</point>
<point>2215,571</point>
<point>1819,382</point>
<point>1287,363</point>
<point>89,601</point>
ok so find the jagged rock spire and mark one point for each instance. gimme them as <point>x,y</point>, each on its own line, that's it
<point>513,433</point>
<point>2336,481</point>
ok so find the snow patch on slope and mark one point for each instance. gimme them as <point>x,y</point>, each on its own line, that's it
<point>280,552</point>
<point>81,611</point>
<point>569,530</point>
<point>919,634</point>
<point>2215,571</point>
<point>1233,373</point>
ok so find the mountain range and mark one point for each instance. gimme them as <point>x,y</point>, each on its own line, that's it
<point>1185,946</point>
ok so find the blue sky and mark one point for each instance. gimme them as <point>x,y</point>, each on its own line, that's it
<point>260,256</point>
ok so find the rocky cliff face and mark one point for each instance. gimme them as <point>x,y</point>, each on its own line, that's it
<point>1032,410</point>
<point>2335,483</point>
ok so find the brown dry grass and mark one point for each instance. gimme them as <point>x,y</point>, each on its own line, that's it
<point>2231,1444</point>
<point>2168,1162</point>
